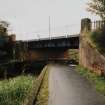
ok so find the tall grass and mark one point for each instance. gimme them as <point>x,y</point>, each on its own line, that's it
<point>97,81</point>
<point>14,91</point>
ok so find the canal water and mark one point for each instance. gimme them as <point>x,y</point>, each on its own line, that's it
<point>19,68</point>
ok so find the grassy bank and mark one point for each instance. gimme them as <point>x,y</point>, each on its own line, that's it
<point>14,91</point>
<point>97,81</point>
<point>42,98</point>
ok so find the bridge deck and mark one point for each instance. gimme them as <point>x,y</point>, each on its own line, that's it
<point>55,42</point>
<point>52,38</point>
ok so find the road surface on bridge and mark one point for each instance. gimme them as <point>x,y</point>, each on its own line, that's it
<point>67,87</point>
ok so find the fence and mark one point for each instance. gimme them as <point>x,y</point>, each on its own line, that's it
<point>98,25</point>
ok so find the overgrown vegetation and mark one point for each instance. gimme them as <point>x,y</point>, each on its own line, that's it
<point>98,38</point>
<point>14,91</point>
<point>32,97</point>
<point>74,54</point>
<point>97,7</point>
<point>98,81</point>
<point>42,98</point>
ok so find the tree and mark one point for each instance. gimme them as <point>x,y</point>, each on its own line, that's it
<point>97,7</point>
<point>3,28</point>
<point>4,24</point>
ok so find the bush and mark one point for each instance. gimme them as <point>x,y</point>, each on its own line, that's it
<point>98,38</point>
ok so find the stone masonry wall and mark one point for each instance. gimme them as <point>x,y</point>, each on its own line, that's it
<point>89,57</point>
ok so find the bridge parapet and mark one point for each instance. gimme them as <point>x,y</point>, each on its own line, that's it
<point>52,38</point>
<point>55,42</point>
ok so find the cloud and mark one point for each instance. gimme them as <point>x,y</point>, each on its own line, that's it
<point>30,17</point>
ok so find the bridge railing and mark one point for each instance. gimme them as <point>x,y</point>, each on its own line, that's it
<point>52,38</point>
<point>87,25</point>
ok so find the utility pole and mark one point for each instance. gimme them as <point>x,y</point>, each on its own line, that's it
<point>66,30</point>
<point>38,36</point>
<point>49,28</point>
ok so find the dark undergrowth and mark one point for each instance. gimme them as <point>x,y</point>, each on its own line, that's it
<point>98,38</point>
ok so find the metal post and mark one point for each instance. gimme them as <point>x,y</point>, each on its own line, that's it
<point>49,28</point>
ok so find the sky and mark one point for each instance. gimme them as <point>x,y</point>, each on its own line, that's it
<point>29,19</point>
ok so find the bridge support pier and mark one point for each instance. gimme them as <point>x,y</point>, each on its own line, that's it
<point>86,26</point>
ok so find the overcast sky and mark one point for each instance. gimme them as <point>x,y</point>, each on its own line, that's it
<point>30,18</point>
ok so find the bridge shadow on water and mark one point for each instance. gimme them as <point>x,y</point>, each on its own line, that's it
<point>21,68</point>
<point>28,68</point>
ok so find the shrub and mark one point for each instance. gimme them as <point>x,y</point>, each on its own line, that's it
<point>98,38</point>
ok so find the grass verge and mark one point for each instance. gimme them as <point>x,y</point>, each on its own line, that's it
<point>14,91</point>
<point>97,81</point>
<point>42,98</point>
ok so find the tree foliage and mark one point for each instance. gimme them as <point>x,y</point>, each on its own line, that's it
<point>97,7</point>
<point>4,24</point>
<point>3,28</point>
<point>98,38</point>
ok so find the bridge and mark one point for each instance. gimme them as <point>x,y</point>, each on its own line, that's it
<point>65,42</point>
<point>50,49</point>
